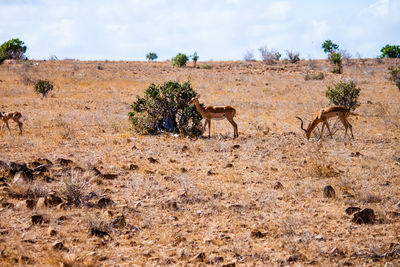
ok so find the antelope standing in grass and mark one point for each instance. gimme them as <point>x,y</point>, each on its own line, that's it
<point>215,113</point>
<point>15,116</point>
<point>323,115</point>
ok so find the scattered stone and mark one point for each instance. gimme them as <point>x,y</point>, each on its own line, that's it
<point>236,146</point>
<point>366,216</point>
<point>133,167</point>
<point>397,205</point>
<point>210,172</point>
<point>329,192</point>
<point>118,222</point>
<point>16,167</point>
<point>355,154</point>
<point>59,245</point>
<point>41,203</point>
<point>278,185</point>
<point>351,210</point>
<point>22,177</point>
<point>51,231</point>
<point>229,165</point>
<point>52,200</point>
<point>109,176</point>
<point>97,232</point>
<point>199,257</point>
<point>232,264</point>
<point>183,170</point>
<point>30,203</point>
<point>170,204</point>
<point>37,219</point>
<point>64,162</point>
<point>105,202</point>
<point>7,205</point>
<point>152,160</point>
<point>184,148</point>
<point>257,234</point>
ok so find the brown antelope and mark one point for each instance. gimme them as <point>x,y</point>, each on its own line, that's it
<point>15,116</point>
<point>323,115</point>
<point>215,113</point>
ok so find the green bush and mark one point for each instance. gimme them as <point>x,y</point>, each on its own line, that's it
<point>165,108</point>
<point>180,60</point>
<point>151,56</point>
<point>334,56</point>
<point>12,49</point>
<point>43,87</point>
<point>390,51</point>
<point>394,75</point>
<point>344,94</point>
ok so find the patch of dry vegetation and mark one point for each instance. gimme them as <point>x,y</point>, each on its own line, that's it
<point>100,195</point>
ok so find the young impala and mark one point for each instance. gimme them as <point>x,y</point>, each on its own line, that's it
<point>323,115</point>
<point>15,116</point>
<point>215,113</point>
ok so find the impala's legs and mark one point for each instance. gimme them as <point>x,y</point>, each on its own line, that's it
<point>235,128</point>
<point>209,128</point>
<point>347,125</point>
<point>327,126</point>
<point>8,127</point>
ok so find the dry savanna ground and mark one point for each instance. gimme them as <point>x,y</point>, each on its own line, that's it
<point>93,193</point>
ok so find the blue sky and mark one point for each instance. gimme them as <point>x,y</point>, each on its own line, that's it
<point>216,29</point>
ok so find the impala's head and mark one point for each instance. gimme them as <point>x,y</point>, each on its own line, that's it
<point>308,133</point>
<point>194,99</point>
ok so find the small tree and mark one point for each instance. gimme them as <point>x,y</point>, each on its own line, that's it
<point>292,56</point>
<point>12,49</point>
<point>269,57</point>
<point>43,87</point>
<point>390,51</point>
<point>195,57</point>
<point>334,56</point>
<point>180,60</point>
<point>151,56</point>
<point>344,94</point>
<point>165,108</point>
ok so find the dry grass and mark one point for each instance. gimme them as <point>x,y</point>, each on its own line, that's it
<point>204,201</point>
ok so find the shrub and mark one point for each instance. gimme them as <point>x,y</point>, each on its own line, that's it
<point>12,49</point>
<point>248,56</point>
<point>195,57</point>
<point>72,191</point>
<point>292,56</point>
<point>269,57</point>
<point>151,56</point>
<point>43,87</point>
<point>334,56</point>
<point>180,60</point>
<point>344,94</point>
<point>165,108</point>
<point>390,51</point>
<point>394,75</point>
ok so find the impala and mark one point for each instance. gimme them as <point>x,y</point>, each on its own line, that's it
<point>15,116</point>
<point>215,113</point>
<point>323,115</point>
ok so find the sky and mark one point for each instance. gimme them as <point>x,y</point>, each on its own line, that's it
<point>215,29</point>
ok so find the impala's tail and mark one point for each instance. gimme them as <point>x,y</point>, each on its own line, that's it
<point>301,125</point>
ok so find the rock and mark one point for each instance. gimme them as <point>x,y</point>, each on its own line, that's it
<point>104,202</point>
<point>52,200</point>
<point>229,165</point>
<point>152,160</point>
<point>118,222</point>
<point>64,162</point>
<point>59,245</point>
<point>51,231</point>
<point>329,192</point>
<point>109,176</point>
<point>355,154</point>
<point>16,167</point>
<point>351,210</point>
<point>22,178</point>
<point>98,232</point>
<point>185,148</point>
<point>366,216</point>
<point>257,234</point>
<point>278,185</point>
<point>41,203</point>
<point>133,167</point>
<point>199,257</point>
<point>30,203</point>
<point>236,146</point>
<point>37,219</point>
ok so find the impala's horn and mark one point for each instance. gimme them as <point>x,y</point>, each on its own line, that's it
<point>301,125</point>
